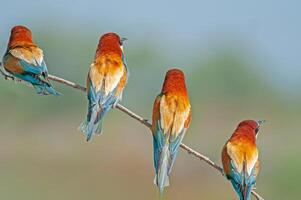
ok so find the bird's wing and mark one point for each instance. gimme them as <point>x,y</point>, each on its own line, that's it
<point>121,84</point>
<point>175,118</point>
<point>102,83</point>
<point>183,120</point>
<point>156,125</point>
<point>242,163</point>
<point>91,95</point>
<point>159,139</point>
<point>169,121</point>
<point>105,74</point>
<point>30,59</point>
<point>226,161</point>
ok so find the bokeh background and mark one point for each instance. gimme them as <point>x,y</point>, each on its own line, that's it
<point>241,59</point>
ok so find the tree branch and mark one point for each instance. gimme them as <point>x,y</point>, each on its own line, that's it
<point>148,125</point>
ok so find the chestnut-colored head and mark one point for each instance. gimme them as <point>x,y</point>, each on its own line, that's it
<point>249,127</point>
<point>174,82</point>
<point>20,35</point>
<point>110,43</point>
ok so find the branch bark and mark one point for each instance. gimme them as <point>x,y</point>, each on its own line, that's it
<point>148,125</point>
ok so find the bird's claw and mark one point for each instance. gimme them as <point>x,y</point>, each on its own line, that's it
<point>9,78</point>
<point>147,121</point>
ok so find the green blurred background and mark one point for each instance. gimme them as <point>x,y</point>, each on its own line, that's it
<point>242,61</point>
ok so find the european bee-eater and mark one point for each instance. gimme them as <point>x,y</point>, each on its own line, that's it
<point>240,158</point>
<point>106,80</point>
<point>25,60</point>
<point>170,120</point>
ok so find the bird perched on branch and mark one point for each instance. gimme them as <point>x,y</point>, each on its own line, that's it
<point>106,80</point>
<point>170,120</point>
<point>240,158</point>
<point>25,60</point>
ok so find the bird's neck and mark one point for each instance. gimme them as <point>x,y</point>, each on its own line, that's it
<point>19,39</point>
<point>108,48</point>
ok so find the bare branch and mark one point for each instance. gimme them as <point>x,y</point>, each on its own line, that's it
<point>148,125</point>
<point>66,82</point>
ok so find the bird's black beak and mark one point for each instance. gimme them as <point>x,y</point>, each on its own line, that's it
<point>122,40</point>
<point>260,122</point>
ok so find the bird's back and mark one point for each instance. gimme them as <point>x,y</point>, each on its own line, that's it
<point>174,110</point>
<point>106,72</point>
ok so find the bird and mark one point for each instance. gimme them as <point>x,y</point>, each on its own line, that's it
<point>170,119</point>
<point>107,77</point>
<point>240,158</point>
<point>24,60</point>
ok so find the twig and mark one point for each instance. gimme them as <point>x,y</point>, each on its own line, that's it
<point>148,125</point>
<point>66,82</point>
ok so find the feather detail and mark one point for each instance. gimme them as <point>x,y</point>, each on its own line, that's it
<point>29,67</point>
<point>24,60</point>
<point>105,73</point>
<point>241,154</point>
<point>240,159</point>
<point>105,82</point>
<point>171,118</point>
<point>31,54</point>
<point>174,112</point>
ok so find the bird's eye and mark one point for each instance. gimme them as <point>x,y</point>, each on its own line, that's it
<point>256,131</point>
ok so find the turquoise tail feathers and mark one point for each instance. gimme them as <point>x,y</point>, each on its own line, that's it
<point>93,124</point>
<point>41,84</point>
<point>243,183</point>
<point>45,89</point>
<point>90,128</point>
<point>162,176</point>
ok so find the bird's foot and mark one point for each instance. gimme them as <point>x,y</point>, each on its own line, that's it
<point>147,121</point>
<point>10,78</point>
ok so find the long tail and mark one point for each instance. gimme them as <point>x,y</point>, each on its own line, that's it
<point>162,176</point>
<point>93,124</point>
<point>40,83</point>
<point>45,88</point>
<point>246,187</point>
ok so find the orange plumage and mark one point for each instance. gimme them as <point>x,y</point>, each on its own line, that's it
<point>25,60</point>
<point>20,35</point>
<point>175,83</point>
<point>105,82</point>
<point>170,120</point>
<point>109,67</point>
<point>109,43</point>
<point>173,92</point>
<point>240,158</point>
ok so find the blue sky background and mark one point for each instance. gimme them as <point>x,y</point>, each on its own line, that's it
<point>267,30</point>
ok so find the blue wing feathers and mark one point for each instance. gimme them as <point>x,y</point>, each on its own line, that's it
<point>99,106</point>
<point>29,68</point>
<point>174,148</point>
<point>36,75</point>
<point>165,152</point>
<point>242,182</point>
<point>41,87</point>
